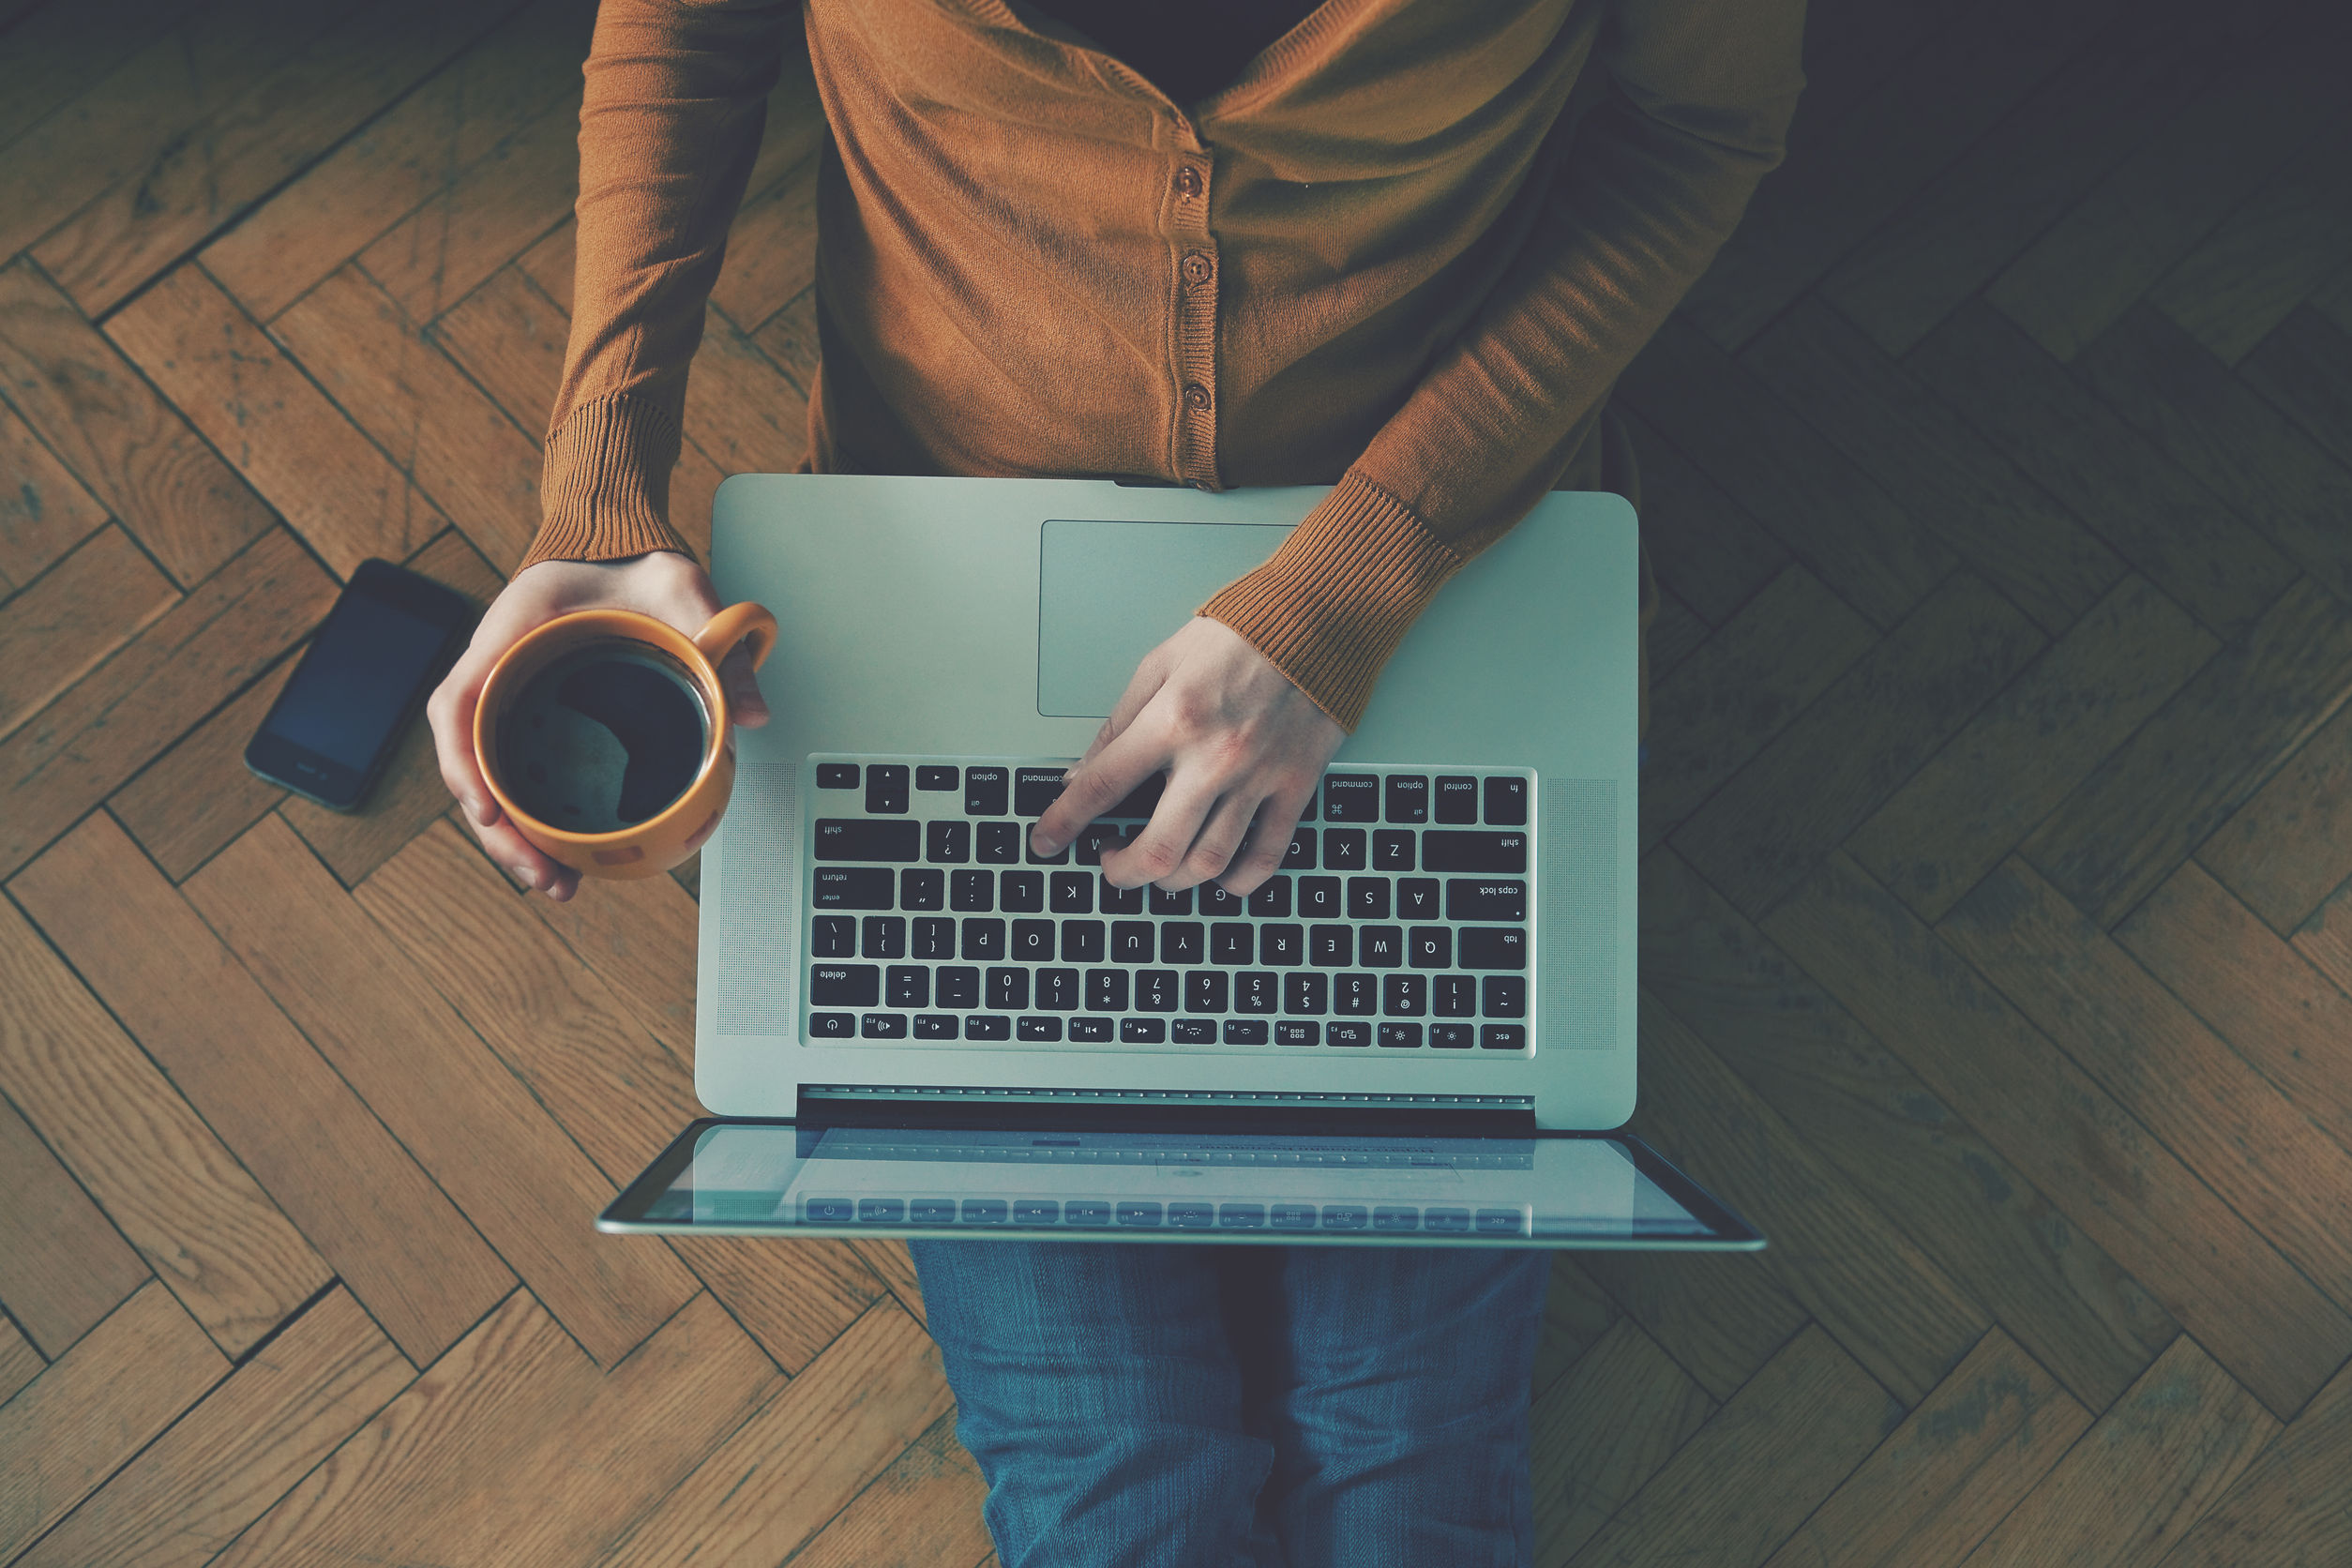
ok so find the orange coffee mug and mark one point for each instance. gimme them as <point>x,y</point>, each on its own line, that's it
<point>605,736</point>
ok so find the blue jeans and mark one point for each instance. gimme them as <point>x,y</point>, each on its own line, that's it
<point>1191,1406</point>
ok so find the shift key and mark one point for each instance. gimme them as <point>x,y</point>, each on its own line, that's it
<point>868,839</point>
<point>1441,851</point>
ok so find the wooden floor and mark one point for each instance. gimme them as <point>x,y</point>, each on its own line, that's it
<point>1998,904</point>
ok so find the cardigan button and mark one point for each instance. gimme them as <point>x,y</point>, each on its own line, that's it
<point>1196,397</point>
<point>1197,268</point>
<point>1187,181</point>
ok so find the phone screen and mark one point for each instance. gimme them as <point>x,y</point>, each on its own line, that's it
<point>356,680</point>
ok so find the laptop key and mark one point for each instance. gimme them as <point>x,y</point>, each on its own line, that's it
<point>984,940</point>
<point>1033,941</point>
<point>832,1025</point>
<point>1355,995</point>
<point>1380,946</point>
<point>1008,990</point>
<point>935,778</point>
<point>1058,989</point>
<point>860,838</point>
<point>933,942</point>
<point>983,1025</point>
<point>947,843</point>
<point>1451,1036</point>
<point>1368,898</point>
<point>959,987</point>
<point>1448,850</point>
<point>1131,942</point>
<point>1095,1031</point>
<point>1485,899</point>
<point>885,937</point>
<point>1351,797</point>
<point>1231,943</point>
<point>1307,995</point>
<point>1318,898</point>
<point>1506,996</point>
<point>1246,1031</point>
<point>1494,947</point>
<point>1502,1036</point>
<point>1417,897</point>
<point>985,791</point>
<point>906,986</point>
<point>1035,789</point>
<point>1172,903</point>
<point>1143,1031</point>
<point>1106,990</point>
<point>833,936</point>
<point>1193,1032</point>
<point>1349,1034</point>
<point>1456,800</point>
<point>1393,850</point>
<point>1030,855</point>
<point>853,887</point>
<point>922,888</point>
<point>1082,941</point>
<point>886,788</point>
<point>1022,892</point>
<point>1343,849</point>
<point>1205,990</point>
<point>1282,945</point>
<point>1000,843</point>
<point>972,892</point>
<point>1430,946</point>
<point>1408,798</point>
<point>1506,803</point>
<point>1182,942</point>
<point>837,776</point>
<point>1218,904</point>
<point>881,1026</point>
<point>1095,840</point>
<point>1454,996</point>
<point>1071,893</point>
<point>1404,996</point>
<point>1297,1031</point>
<point>1038,1030</point>
<point>1117,900</point>
<point>1300,856</point>
<point>1255,991</point>
<point>1331,946</point>
<point>1272,901</point>
<point>1401,1036</point>
<point>935,1026</point>
<point>1156,991</point>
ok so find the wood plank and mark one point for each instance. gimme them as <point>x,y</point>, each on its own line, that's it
<point>2211,1270</point>
<point>639,938</point>
<point>2150,210</point>
<point>298,450</point>
<point>1705,547</point>
<point>2290,845</point>
<point>1957,1465</point>
<point>44,511</point>
<point>1915,120</point>
<point>435,424</point>
<point>1860,1277</point>
<point>772,1485</point>
<point>1948,478</point>
<point>923,1512</point>
<point>195,186</point>
<point>509,337</point>
<point>2142,1474</point>
<point>411,793</point>
<point>239,1450</point>
<point>1841,759</point>
<point>378,1219</point>
<point>1835,519</point>
<point>61,1265</point>
<point>2286,1509</point>
<point>894,1265</point>
<point>1739,689</point>
<point>188,804</point>
<point>2124,487</point>
<point>482,219</point>
<point>165,1179</point>
<point>2306,368</point>
<point>789,337</point>
<point>2265,999</point>
<point>741,412</point>
<point>1674,636</point>
<point>1721,1317</point>
<point>1577,1312</point>
<point>2247,1141</point>
<point>1750,1477</point>
<point>131,448</point>
<point>453,1476</point>
<point>2030,746</point>
<point>65,623</point>
<point>20,1363</point>
<point>229,629</point>
<point>2072,1307</point>
<point>526,64</point>
<point>57,51</point>
<point>1602,1431</point>
<point>2181,775</point>
<point>2324,940</point>
<point>71,1428</point>
<point>2241,448</point>
<point>1973,218</point>
<point>493,1149</point>
<point>207,58</point>
<point>616,1089</point>
<point>2269,255</point>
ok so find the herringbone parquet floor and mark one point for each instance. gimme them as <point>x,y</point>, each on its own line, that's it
<point>1997,907</point>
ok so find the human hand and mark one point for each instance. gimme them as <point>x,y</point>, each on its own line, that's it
<point>1244,748</point>
<point>663,584</point>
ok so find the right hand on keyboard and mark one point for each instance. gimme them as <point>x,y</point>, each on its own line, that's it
<point>1244,748</point>
<point>663,584</point>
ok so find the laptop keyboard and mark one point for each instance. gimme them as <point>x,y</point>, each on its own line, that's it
<point>1401,918</point>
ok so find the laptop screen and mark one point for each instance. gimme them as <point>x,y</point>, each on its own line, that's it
<point>1552,1190</point>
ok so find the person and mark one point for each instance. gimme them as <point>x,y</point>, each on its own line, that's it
<point>1402,248</point>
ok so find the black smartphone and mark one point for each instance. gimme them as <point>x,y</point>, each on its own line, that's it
<point>382,648</point>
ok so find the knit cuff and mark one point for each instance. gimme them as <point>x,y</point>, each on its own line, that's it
<point>1340,593</point>
<point>605,491</point>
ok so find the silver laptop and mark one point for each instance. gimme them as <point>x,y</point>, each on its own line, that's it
<point>1419,1031</point>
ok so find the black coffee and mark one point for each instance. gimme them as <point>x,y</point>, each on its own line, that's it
<point>604,737</point>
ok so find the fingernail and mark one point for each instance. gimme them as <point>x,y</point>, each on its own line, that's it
<point>524,875</point>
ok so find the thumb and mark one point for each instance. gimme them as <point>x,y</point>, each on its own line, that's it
<point>748,709</point>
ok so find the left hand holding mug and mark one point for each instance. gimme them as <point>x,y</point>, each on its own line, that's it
<point>663,584</point>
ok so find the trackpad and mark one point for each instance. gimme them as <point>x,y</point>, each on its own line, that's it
<point>1109,593</point>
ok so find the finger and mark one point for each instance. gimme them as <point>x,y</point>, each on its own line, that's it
<point>1214,847</point>
<point>1268,842</point>
<point>530,868</point>
<point>745,705</point>
<point>1099,785</point>
<point>449,714</point>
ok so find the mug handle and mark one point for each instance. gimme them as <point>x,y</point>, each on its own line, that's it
<point>738,622</point>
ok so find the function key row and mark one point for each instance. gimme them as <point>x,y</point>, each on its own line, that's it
<point>1146,1213</point>
<point>1251,993</point>
<point>951,841</point>
<point>1277,944</point>
<point>1459,800</point>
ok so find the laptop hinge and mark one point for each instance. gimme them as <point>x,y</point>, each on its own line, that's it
<point>1171,1110</point>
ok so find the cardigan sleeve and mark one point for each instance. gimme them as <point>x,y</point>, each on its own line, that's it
<point>1651,184</point>
<point>670,124</point>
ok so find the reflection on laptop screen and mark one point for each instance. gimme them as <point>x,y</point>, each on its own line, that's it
<point>1548,1190</point>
